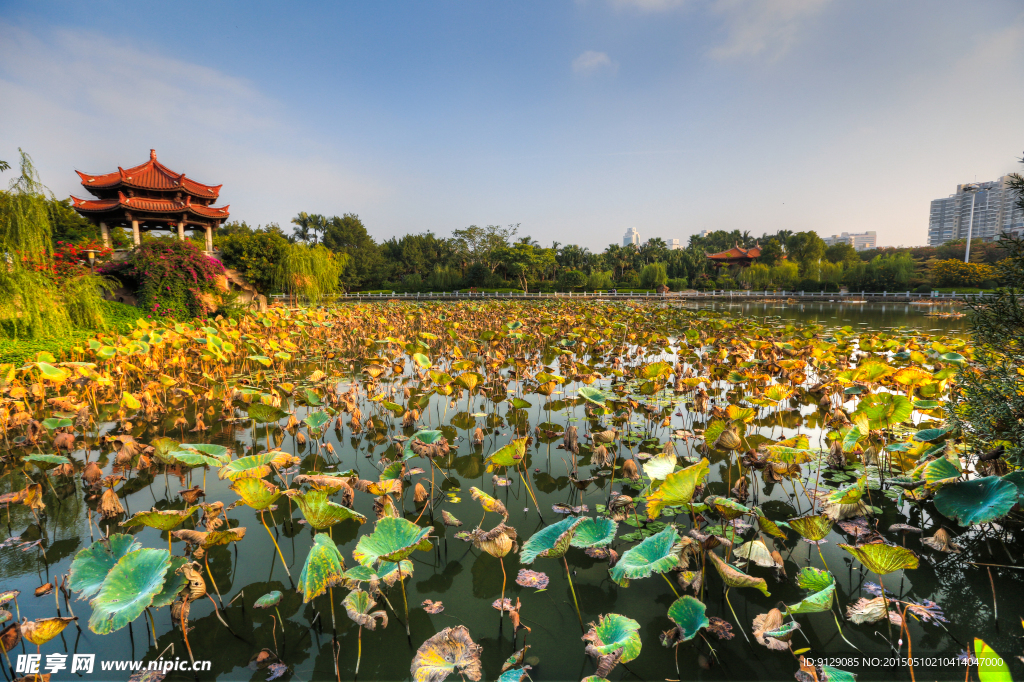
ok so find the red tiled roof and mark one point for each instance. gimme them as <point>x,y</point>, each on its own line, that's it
<point>151,175</point>
<point>150,206</point>
<point>736,252</point>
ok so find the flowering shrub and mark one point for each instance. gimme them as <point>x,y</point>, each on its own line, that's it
<point>70,260</point>
<point>956,273</point>
<point>171,278</point>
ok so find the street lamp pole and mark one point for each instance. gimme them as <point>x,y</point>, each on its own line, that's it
<point>973,188</point>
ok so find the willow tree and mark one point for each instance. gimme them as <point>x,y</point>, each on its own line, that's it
<point>311,272</point>
<point>31,302</point>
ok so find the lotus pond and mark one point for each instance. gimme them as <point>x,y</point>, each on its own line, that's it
<point>524,490</point>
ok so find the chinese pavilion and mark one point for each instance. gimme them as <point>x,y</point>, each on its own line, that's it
<point>150,197</point>
<point>737,255</point>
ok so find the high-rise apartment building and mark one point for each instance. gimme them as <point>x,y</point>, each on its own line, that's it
<point>858,240</point>
<point>632,238</point>
<point>995,213</point>
<point>673,244</point>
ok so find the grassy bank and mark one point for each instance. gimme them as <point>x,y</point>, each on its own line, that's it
<point>120,318</point>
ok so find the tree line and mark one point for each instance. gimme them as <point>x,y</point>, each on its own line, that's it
<point>498,257</point>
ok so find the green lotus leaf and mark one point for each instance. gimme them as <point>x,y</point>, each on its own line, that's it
<point>814,579</point>
<point>980,500</point>
<point>677,488</point>
<point>198,459</point>
<point>163,447</point>
<point>939,472</point>
<point>552,541</point>
<point>593,395</point>
<point>508,456</point>
<point>929,435</point>
<point>1016,478</point>
<point>849,494</point>
<point>359,607</point>
<point>262,359</point>
<point>161,520</point>
<point>823,586</point>
<point>734,577</point>
<point>426,436</point>
<point>615,632</point>
<point>217,451</point>
<point>727,507</point>
<point>130,587</point>
<point>173,582</point>
<point>53,423</point>
<point>885,409</point>
<point>313,399</point>
<point>91,565</point>
<point>653,555</point>
<point>265,414</point>
<point>272,598</point>
<point>812,528</point>
<point>256,492</point>
<point>787,455</point>
<point>253,466</point>
<point>883,559</point>
<point>46,461</point>
<point>830,674</point>
<point>688,614</point>
<point>520,404</point>
<point>422,360</point>
<point>598,532</point>
<point>392,540</point>
<point>324,568</point>
<point>768,526</point>
<point>321,513</point>
<point>316,420</point>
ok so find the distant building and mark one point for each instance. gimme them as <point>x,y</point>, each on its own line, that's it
<point>673,244</point>
<point>705,233</point>
<point>995,213</point>
<point>861,241</point>
<point>632,238</point>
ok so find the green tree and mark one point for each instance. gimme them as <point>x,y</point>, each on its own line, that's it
<point>573,279</point>
<point>805,247</point>
<point>348,235</point>
<point>842,252</point>
<point>771,252</point>
<point>256,255</point>
<point>653,275</point>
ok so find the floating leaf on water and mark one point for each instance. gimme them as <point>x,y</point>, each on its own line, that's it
<point>128,589</point>
<point>552,541</point>
<point>448,651</point>
<point>979,500</point>
<point>883,559</point>
<point>528,578</point>
<point>92,564</point>
<point>688,614</point>
<point>614,633</point>
<point>653,555</point>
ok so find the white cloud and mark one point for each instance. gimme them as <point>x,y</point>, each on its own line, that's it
<point>761,28</point>
<point>649,5</point>
<point>591,61</point>
<point>78,100</point>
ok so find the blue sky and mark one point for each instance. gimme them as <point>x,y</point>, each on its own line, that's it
<point>574,118</point>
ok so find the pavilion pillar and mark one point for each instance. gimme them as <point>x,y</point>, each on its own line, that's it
<point>135,233</point>
<point>181,230</point>
<point>209,238</point>
<point>105,235</point>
